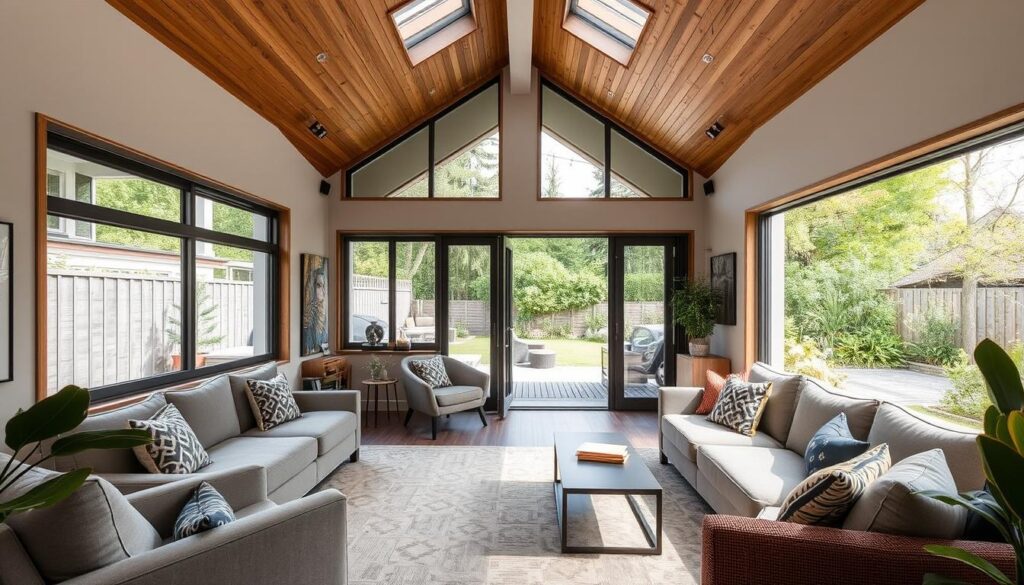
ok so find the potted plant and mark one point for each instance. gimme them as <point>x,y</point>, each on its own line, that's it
<point>48,418</point>
<point>695,305</point>
<point>376,368</point>
<point>206,329</point>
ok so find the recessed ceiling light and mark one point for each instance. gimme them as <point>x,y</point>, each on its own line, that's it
<point>321,57</point>
<point>611,93</point>
<point>707,58</point>
<point>432,90</point>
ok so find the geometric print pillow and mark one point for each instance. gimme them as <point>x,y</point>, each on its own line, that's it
<point>431,371</point>
<point>827,496</point>
<point>740,405</point>
<point>271,401</point>
<point>175,448</point>
<point>205,509</point>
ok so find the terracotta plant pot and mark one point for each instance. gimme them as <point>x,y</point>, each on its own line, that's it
<point>700,347</point>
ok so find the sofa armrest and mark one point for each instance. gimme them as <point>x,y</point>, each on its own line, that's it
<point>754,552</point>
<point>313,400</point>
<point>241,487</point>
<point>675,400</point>
<point>302,541</point>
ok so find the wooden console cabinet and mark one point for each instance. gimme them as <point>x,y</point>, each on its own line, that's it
<point>332,372</point>
<point>692,371</point>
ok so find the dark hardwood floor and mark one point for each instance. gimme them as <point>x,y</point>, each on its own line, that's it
<point>522,428</point>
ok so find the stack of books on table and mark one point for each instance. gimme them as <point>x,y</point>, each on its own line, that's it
<point>602,453</point>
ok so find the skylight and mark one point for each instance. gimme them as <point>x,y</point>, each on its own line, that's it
<point>419,20</point>
<point>621,20</point>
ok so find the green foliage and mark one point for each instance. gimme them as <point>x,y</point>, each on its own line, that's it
<point>871,348</point>
<point>644,286</point>
<point>543,285</point>
<point>804,357</point>
<point>969,396</point>
<point>55,415</point>
<point>206,319</point>
<point>695,305</point>
<point>936,344</point>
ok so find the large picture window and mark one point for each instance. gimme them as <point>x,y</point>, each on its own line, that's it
<point>151,278</point>
<point>453,155</point>
<point>585,156</point>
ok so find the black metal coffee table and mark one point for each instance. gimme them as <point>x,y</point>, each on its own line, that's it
<point>629,479</point>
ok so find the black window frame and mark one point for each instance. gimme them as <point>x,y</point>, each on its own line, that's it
<point>431,159</point>
<point>80,145</point>
<point>346,306</point>
<point>609,127</point>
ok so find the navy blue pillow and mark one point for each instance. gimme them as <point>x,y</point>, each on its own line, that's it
<point>832,444</point>
<point>205,509</point>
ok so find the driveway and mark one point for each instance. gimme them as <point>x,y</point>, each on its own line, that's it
<point>898,386</point>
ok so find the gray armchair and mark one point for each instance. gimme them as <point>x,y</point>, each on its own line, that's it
<point>469,391</point>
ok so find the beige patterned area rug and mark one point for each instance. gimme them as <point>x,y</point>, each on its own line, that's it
<point>462,515</point>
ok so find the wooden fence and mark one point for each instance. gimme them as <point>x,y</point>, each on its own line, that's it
<point>107,328</point>
<point>1000,314</point>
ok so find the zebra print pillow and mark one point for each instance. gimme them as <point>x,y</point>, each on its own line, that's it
<point>826,497</point>
<point>272,402</point>
<point>205,509</point>
<point>175,447</point>
<point>740,405</point>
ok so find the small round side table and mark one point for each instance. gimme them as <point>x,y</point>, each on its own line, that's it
<point>375,386</point>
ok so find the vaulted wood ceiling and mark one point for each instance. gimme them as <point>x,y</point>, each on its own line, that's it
<point>766,54</point>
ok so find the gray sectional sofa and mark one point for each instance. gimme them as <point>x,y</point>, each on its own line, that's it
<point>297,455</point>
<point>751,476</point>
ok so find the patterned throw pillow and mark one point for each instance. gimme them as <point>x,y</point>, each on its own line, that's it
<point>713,384</point>
<point>205,509</point>
<point>431,371</point>
<point>832,444</point>
<point>825,498</point>
<point>175,447</point>
<point>740,405</point>
<point>272,401</point>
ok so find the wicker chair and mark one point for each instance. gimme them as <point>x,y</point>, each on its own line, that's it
<point>469,391</point>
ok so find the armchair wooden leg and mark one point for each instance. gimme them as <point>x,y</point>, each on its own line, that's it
<point>408,417</point>
<point>433,428</point>
<point>483,417</point>
<point>354,456</point>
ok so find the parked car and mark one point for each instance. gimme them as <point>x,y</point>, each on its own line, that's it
<point>358,324</point>
<point>644,336</point>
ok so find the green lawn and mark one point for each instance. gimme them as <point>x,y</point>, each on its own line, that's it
<point>946,417</point>
<point>570,352</point>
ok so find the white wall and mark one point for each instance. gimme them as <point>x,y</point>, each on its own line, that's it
<point>85,64</point>
<point>948,63</point>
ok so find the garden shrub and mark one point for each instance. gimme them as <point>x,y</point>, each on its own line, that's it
<point>544,286</point>
<point>936,343</point>
<point>969,396</point>
<point>644,286</point>
<point>804,357</point>
<point>870,348</point>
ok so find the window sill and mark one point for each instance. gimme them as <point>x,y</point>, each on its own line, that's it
<point>385,351</point>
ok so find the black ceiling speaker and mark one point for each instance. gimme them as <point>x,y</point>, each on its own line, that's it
<point>318,130</point>
<point>709,188</point>
<point>714,130</point>
<point>325,187</point>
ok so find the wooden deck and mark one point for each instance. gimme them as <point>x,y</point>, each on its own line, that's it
<point>572,394</point>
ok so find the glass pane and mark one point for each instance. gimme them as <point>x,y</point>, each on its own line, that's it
<point>117,189</point>
<point>399,172</point>
<point>367,289</point>
<point>217,216</point>
<point>466,147</point>
<point>112,307</point>
<point>83,193</point>
<point>620,19</point>
<point>638,173</point>
<point>415,291</point>
<point>419,19</point>
<point>232,306</point>
<point>643,318</point>
<point>572,150</point>
<point>469,305</point>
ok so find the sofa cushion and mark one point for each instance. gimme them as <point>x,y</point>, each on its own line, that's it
<point>112,460</point>
<point>832,445</point>
<point>740,405</point>
<point>816,406</point>
<point>690,431</point>
<point>209,410</point>
<point>778,412</point>
<point>907,434</point>
<point>243,411</point>
<point>827,496</point>
<point>328,427</point>
<point>893,504</point>
<point>453,395</point>
<point>751,478</point>
<point>283,457</point>
<point>175,448</point>
<point>713,385</point>
<point>93,527</point>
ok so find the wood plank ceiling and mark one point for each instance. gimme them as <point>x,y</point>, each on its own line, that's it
<point>766,54</point>
<point>366,93</point>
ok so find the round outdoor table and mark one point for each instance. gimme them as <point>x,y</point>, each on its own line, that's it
<point>375,386</point>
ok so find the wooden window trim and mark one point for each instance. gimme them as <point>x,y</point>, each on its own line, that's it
<point>45,124</point>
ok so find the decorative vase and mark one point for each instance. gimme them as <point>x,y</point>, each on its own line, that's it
<point>384,374</point>
<point>700,347</point>
<point>403,342</point>
<point>374,333</point>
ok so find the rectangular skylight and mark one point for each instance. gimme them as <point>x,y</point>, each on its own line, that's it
<point>621,20</point>
<point>420,19</point>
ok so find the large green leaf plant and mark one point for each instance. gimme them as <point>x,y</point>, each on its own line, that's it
<point>1002,457</point>
<point>48,418</point>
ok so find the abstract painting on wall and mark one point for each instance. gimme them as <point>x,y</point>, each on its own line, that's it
<point>6,303</point>
<point>723,280</point>
<point>314,303</point>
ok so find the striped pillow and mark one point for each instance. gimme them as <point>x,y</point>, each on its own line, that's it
<point>826,497</point>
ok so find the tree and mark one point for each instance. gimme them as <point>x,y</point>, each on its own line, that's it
<point>552,182</point>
